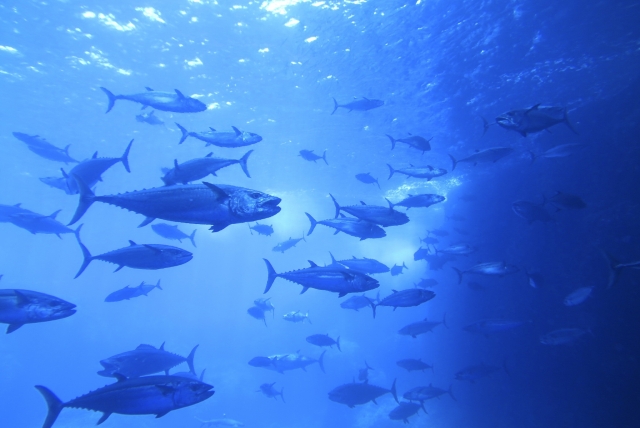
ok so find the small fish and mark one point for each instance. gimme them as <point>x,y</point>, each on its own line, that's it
<point>199,168</point>
<point>296,316</point>
<point>560,151</point>
<point>490,326</point>
<point>257,313</point>
<point>351,226</point>
<point>567,201</point>
<point>382,216</point>
<point>324,340</point>
<point>414,141</point>
<point>363,374</point>
<point>282,363</point>
<point>421,254</point>
<point>262,229</point>
<point>289,243</point>
<point>127,292</point>
<point>411,364</point>
<point>429,240</point>
<point>265,305</point>
<point>493,154</point>
<point>419,201</point>
<point>358,302</point>
<point>45,149</point>
<point>578,296</point>
<point>172,232</point>
<point>353,394</point>
<point>535,279</point>
<point>362,104</point>
<point>457,250</point>
<point>225,422</point>
<point>38,223</point>
<point>479,371</point>
<point>426,283</point>
<point>405,410</point>
<point>427,172</point>
<point>405,299</point>
<point>422,393</point>
<point>531,211</point>
<point>212,137</point>
<point>534,119</point>
<point>164,101</point>
<point>367,179</point>
<point>421,327</point>
<point>312,157</point>
<point>563,336</point>
<point>268,390</point>
<point>149,118</point>
<point>397,270</point>
<point>489,268</point>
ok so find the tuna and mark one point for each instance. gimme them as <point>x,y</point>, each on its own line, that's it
<point>493,154</point>
<point>479,371</point>
<point>489,268</point>
<point>366,178</point>
<point>411,364</point>
<point>261,229</point>
<point>265,305</point>
<point>353,394</point>
<point>423,393</point>
<point>329,278</point>
<point>56,183</point>
<point>427,172</point>
<point>150,395</point>
<point>143,256</point>
<point>560,151</point>
<point>149,118</point>
<point>414,141</point>
<point>282,363</point>
<point>397,270</point>
<point>405,410</point>
<point>362,104</point>
<point>144,360</point>
<point>38,223</point>
<point>312,157</point>
<point>421,254</point>
<point>351,226</point>
<point>578,296</point>
<point>490,326</point>
<point>563,336</point>
<point>289,243</point>
<point>439,232</point>
<point>419,201</point>
<point>257,313</point>
<point>421,327</point>
<point>426,283</point>
<point>567,201</point>
<point>535,119</point>
<point>172,232</point>
<point>357,302</point>
<point>90,171</point>
<point>405,299</point>
<point>615,267</point>
<point>196,169</point>
<point>175,101</point>
<point>20,307</point>
<point>296,316</point>
<point>531,211</point>
<point>225,422</point>
<point>127,292</point>
<point>363,265</point>
<point>212,137</point>
<point>216,205</point>
<point>324,340</point>
<point>458,250</point>
<point>45,149</point>
<point>268,390</point>
<point>7,211</point>
<point>381,216</point>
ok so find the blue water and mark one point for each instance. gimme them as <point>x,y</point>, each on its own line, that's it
<point>271,68</point>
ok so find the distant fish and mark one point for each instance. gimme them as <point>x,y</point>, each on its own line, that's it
<point>423,393</point>
<point>38,223</point>
<point>212,137</point>
<point>397,270</point>
<point>282,363</point>
<point>353,394</point>
<point>419,201</point>
<point>534,119</point>
<point>289,243</point>
<point>296,316</point>
<point>405,299</point>
<point>20,307</point>
<point>383,216</point>
<point>362,104</point>
<point>265,305</point>
<point>615,267</point>
<point>140,396</point>
<point>421,327</point>
<point>323,340</point>
<point>531,211</point>
<point>560,151</point>
<point>563,336</point>
<point>405,410</point>
<point>225,422</point>
<point>149,118</point>
<point>578,296</point>
<point>429,240</point>
<point>144,360</point>
<point>170,231</point>
<point>165,101</point>
<point>363,265</point>
<point>127,292</point>
<point>411,364</point>
<point>312,157</point>
<point>43,148</point>
<point>493,154</point>
<point>535,279</point>
<point>363,374</point>
<point>367,179</point>
<point>458,250</point>
<point>439,232</point>
<point>489,268</point>
<point>478,371</point>
<point>199,168</point>
<point>426,283</point>
<point>421,254</point>
<point>257,313</point>
<point>351,226</point>
<point>358,302</point>
<point>414,141</point>
<point>144,256</point>
<point>427,172</point>
<point>490,326</point>
<point>268,390</point>
<point>567,201</point>
<point>261,229</point>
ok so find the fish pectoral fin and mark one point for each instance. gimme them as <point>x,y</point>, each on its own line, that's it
<point>146,221</point>
<point>342,294</point>
<point>374,402</point>
<point>218,227</point>
<point>13,327</point>
<point>148,88</point>
<point>159,415</point>
<point>103,418</point>
<point>218,192</point>
<point>166,390</point>
<point>179,94</point>
<point>118,268</point>
<point>304,290</point>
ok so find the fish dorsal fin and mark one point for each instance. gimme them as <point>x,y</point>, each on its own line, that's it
<point>220,194</point>
<point>209,155</point>
<point>175,164</point>
<point>64,174</point>
<point>535,107</point>
<point>119,377</point>
<point>312,263</point>
<point>161,347</point>
<point>145,346</point>
<point>365,98</point>
<point>362,203</point>
<point>18,205</point>
<point>411,165</point>
<point>354,257</point>
<point>95,155</point>
<point>395,291</point>
<point>179,94</point>
<point>131,243</point>
<point>148,88</point>
<point>212,129</point>
<point>54,214</point>
<point>237,131</point>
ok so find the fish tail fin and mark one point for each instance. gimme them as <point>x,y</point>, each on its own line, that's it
<point>393,391</point>
<point>485,125</point>
<point>86,199</point>
<point>333,259</point>
<point>568,122</point>
<point>338,343</point>
<point>192,237</point>
<point>282,394</point>
<point>444,320</point>
<point>459,272</point>
<point>112,98</point>
<point>391,171</point>
<point>272,275</point>
<point>335,203</point>
<point>391,204</point>
<point>324,157</point>
<point>321,361</point>
<point>190,359</point>
<point>614,270</point>
<point>393,141</point>
<point>158,285</point>
<point>243,163</point>
<point>313,224</point>
<point>185,133</point>
<point>367,366</point>
<point>454,162</point>
<point>125,157</point>
<point>87,257</point>
<point>373,307</point>
<point>54,404</point>
<point>307,318</point>
<point>378,184</point>
<point>335,105</point>
<point>303,236</point>
<point>404,266</point>
<point>451,393</point>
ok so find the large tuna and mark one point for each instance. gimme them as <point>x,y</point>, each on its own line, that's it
<point>422,393</point>
<point>414,141</point>
<point>363,265</point>
<point>216,205</point>
<point>418,201</point>
<point>383,216</point>
<point>38,223</point>
<point>427,172</point>
<point>534,119</point>
<point>353,394</point>
<point>531,211</point>
<point>405,298</point>
<point>175,101</point>
<point>404,410</point>
<point>236,138</point>
<point>45,149</point>
<point>351,226</point>
<point>489,268</point>
<point>196,169</point>
<point>150,395</point>
<point>144,360</point>
<point>282,363</point>
<point>20,307</point>
<point>324,340</point>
